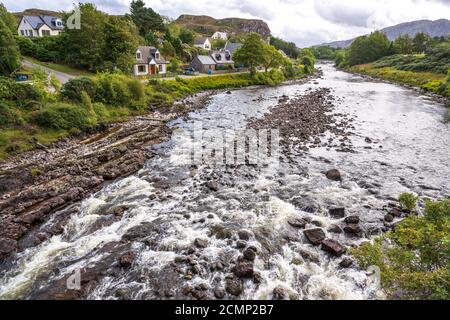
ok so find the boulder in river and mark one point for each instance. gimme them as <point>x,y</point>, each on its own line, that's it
<point>334,228</point>
<point>243,270</point>
<point>201,243</point>
<point>352,228</point>
<point>297,222</point>
<point>346,262</point>
<point>337,212</point>
<point>315,236</point>
<point>249,254</point>
<point>334,175</point>
<point>127,259</point>
<point>333,247</point>
<point>212,185</point>
<point>279,293</point>
<point>234,286</point>
<point>244,235</point>
<point>388,218</point>
<point>352,219</point>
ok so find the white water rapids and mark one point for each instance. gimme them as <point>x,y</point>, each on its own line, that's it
<point>414,157</point>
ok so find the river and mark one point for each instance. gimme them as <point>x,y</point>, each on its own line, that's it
<point>408,151</point>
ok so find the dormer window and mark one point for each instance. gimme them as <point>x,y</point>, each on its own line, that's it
<point>156,55</point>
<point>138,55</point>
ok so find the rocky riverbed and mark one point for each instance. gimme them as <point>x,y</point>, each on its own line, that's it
<point>276,231</point>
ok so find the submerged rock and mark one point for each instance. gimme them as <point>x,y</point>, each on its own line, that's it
<point>334,228</point>
<point>337,212</point>
<point>279,293</point>
<point>243,270</point>
<point>352,219</point>
<point>201,243</point>
<point>334,175</point>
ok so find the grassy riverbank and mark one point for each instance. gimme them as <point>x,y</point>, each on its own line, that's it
<point>31,116</point>
<point>434,82</point>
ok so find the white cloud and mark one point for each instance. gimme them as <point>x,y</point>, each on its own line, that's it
<point>305,22</point>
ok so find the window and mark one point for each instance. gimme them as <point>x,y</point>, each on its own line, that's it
<point>156,55</point>
<point>138,55</point>
<point>141,69</point>
<point>30,33</point>
<point>160,67</point>
<point>22,32</point>
<point>45,32</point>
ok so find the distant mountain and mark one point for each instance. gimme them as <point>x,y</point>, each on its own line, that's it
<point>37,12</point>
<point>206,25</point>
<point>436,28</point>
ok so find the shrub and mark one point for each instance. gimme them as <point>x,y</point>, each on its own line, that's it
<point>64,116</point>
<point>9,115</point>
<point>72,89</point>
<point>433,86</point>
<point>414,258</point>
<point>408,201</point>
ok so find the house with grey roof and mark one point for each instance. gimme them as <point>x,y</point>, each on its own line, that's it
<point>203,43</point>
<point>203,64</point>
<point>231,47</point>
<point>40,26</point>
<point>222,59</point>
<point>149,61</point>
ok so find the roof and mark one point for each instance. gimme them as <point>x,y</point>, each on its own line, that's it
<point>221,57</point>
<point>38,21</point>
<point>147,54</point>
<point>232,46</point>
<point>200,40</point>
<point>206,60</point>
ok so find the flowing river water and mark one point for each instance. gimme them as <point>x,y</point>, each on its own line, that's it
<point>409,151</point>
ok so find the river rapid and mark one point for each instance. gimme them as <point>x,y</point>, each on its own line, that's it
<point>401,144</point>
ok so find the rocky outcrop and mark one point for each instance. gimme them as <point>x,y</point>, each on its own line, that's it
<point>208,25</point>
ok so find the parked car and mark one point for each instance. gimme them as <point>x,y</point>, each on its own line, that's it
<point>190,72</point>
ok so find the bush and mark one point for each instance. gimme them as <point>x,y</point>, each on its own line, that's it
<point>9,115</point>
<point>414,258</point>
<point>118,90</point>
<point>64,116</point>
<point>408,201</point>
<point>72,89</point>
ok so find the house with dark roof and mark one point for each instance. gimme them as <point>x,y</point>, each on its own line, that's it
<point>222,59</point>
<point>203,64</point>
<point>149,61</point>
<point>40,26</point>
<point>203,43</point>
<point>231,47</point>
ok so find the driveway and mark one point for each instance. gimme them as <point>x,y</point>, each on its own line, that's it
<point>61,76</point>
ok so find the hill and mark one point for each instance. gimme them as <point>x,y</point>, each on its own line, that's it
<point>206,25</point>
<point>435,28</point>
<point>37,12</point>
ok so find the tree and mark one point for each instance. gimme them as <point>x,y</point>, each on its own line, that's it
<point>403,44</point>
<point>174,65</point>
<point>251,53</point>
<point>187,36</point>
<point>9,52</point>
<point>368,48</point>
<point>167,49</point>
<point>121,41</point>
<point>272,58</point>
<point>145,18</point>
<point>85,47</point>
<point>8,19</point>
<point>288,47</point>
<point>421,42</point>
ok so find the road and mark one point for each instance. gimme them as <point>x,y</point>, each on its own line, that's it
<point>61,76</point>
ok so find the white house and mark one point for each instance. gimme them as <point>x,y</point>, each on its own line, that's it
<point>149,61</point>
<point>203,43</point>
<point>220,35</point>
<point>40,26</point>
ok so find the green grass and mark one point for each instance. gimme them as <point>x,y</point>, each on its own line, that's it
<point>427,80</point>
<point>62,68</point>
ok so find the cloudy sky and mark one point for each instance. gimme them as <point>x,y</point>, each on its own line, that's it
<point>306,22</point>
